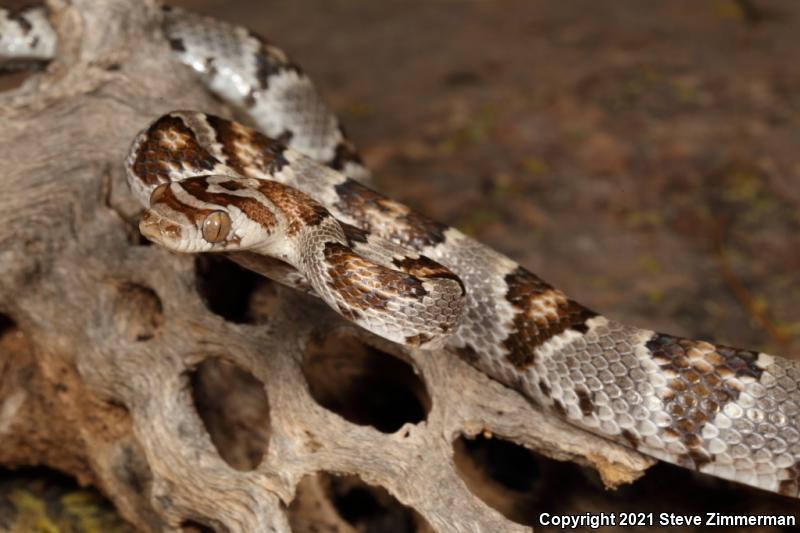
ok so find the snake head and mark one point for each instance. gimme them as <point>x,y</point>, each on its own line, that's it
<point>207,214</point>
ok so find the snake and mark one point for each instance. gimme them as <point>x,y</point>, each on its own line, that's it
<point>287,197</point>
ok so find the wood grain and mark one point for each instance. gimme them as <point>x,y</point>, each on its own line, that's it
<point>107,331</point>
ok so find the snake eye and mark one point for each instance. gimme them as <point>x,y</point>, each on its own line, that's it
<point>216,226</point>
<point>158,192</point>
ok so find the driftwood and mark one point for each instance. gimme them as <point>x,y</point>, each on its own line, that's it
<point>110,347</point>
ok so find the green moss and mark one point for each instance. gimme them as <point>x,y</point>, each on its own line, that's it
<point>77,511</point>
<point>32,516</point>
<point>87,511</point>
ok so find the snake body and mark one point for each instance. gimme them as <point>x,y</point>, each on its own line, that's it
<point>390,291</point>
<point>26,36</point>
<point>291,195</point>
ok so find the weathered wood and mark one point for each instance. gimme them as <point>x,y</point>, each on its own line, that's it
<point>104,332</point>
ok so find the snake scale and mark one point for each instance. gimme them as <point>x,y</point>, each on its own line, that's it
<point>288,198</point>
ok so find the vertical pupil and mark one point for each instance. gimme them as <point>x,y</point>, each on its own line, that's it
<point>216,226</point>
<point>212,227</point>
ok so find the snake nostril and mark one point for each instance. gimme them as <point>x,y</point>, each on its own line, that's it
<point>363,506</point>
<point>364,385</point>
<point>173,231</point>
<point>219,390</point>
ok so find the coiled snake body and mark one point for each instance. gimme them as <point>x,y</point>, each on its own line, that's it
<point>288,201</point>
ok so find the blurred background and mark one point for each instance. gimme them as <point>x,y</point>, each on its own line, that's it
<point>641,156</point>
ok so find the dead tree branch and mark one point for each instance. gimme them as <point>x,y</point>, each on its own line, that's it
<point>103,334</point>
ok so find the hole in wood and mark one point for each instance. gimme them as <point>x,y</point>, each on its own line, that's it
<point>504,475</point>
<point>233,292</point>
<point>234,408</point>
<point>14,72</point>
<point>327,502</point>
<point>137,312</point>
<point>364,385</point>
<point>521,485</point>
<point>6,324</point>
<point>665,488</point>
<point>192,526</point>
<point>312,510</point>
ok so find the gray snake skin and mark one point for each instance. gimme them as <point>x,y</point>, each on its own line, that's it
<point>289,195</point>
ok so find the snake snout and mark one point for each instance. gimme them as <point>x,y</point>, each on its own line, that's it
<point>158,229</point>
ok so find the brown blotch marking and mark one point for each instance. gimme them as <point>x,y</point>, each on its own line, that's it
<point>424,267</point>
<point>300,209</point>
<point>544,388</point>
<point>250,99</point>
<point>366,285</point>
<point>345,152</point>
<point>633,440</point>
<point>24,24</point>
<point>177,44</point>
<point>245,149</point>
<point>350,314</point>
<point>791,486</point>
<point>231,185</point>
<point>168,198</point>
<point>211,67</point>
<point>353,234</point>
<point>695,459</point>
<point>468,353</point>
<point>525,292</point>
<point>702,383</point>
<point>693,441</point>
<point>170,143</point>
<point>560,409</point>
<point>255,210</point>
<point>268,64</point>
<point>685,427</point>
<point>387,218</point>
<point>418,340</point>
<point>701,390</point>
<point>285,137</point>
<point>671,433</point>
<point>699,417</point>
<point>585,402</point>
